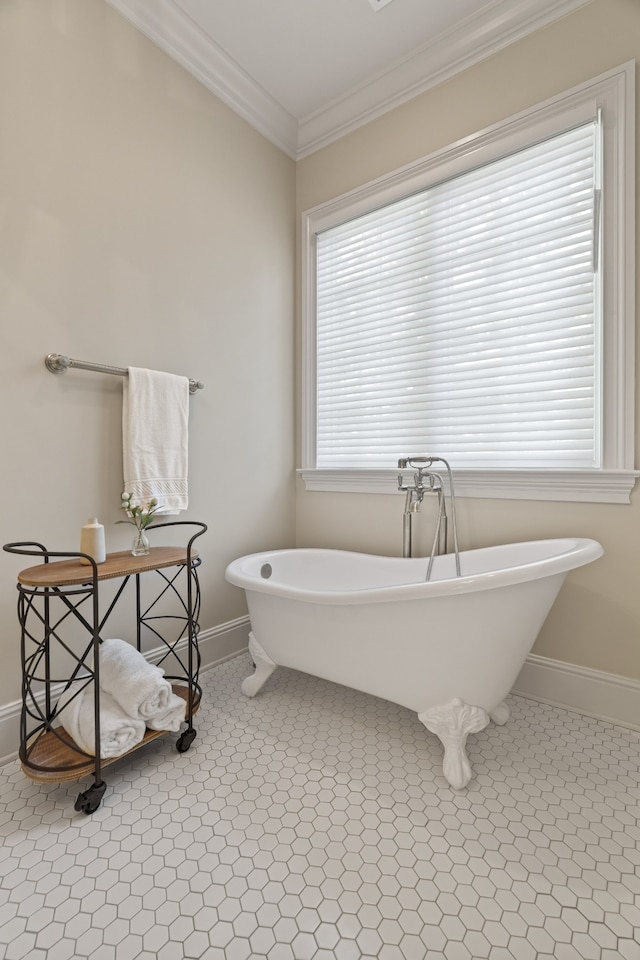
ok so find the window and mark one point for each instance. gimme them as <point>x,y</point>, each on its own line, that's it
<point>477,306</point>
<point>464,319</point>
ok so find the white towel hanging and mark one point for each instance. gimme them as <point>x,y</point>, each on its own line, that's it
<point>155,415</point>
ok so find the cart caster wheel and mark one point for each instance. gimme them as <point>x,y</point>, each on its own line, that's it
<point>185,740</point>
<point>89,801</point>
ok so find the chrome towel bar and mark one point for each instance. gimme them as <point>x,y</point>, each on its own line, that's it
<point>58,363</point>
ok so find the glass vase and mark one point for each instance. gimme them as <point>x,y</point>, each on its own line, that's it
<point>141,545</point>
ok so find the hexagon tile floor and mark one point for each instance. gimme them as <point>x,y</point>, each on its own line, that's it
<point>314,823</point>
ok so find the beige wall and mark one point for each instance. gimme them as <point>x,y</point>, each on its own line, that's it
<point>141,223</point>
<point>596,621</point>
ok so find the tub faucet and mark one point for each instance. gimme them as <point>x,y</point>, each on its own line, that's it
<point>425,480</point>
<point>422,481</point>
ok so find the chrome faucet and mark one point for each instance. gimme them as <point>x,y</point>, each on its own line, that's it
<point>425,480</point>
<point>422,481</point>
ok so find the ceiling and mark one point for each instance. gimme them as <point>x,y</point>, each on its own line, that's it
<point>305,72</point>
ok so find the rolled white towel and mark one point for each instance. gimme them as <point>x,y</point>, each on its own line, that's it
<point>76,713</point>
<point>172,717</point>
<point>137,685</point>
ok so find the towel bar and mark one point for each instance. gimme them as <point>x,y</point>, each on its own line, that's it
<point>58,363</point>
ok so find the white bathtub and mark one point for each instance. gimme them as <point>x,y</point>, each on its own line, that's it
<point>449,649</point>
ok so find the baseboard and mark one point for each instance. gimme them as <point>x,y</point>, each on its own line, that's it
<point>216,645</point>
<point>594,693</point>
<point>220,643</point>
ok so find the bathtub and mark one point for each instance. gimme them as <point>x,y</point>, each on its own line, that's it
<point>449,649</point>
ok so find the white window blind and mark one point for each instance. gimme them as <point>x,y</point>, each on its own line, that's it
<point>464,320</point>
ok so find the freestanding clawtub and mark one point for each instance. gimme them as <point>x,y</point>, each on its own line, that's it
<point>450,648</point>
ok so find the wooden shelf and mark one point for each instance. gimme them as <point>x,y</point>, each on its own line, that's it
<point>66,573</point>
<point>48,755</point>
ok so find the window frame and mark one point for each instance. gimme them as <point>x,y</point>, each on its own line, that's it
<point>613,93</point>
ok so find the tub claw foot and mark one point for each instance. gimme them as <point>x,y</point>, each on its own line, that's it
<point>452,723</point>
<point>500,714</point>
<point>264,668</point>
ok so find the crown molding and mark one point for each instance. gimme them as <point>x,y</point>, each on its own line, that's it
<point>474,39</point>
<point>494,27</point>
<point>169,27</point>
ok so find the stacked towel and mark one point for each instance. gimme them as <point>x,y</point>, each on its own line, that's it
<point>139,687</point>
<point>118,731</point>
<point>134,695</point>
<point>155,413</point>
<point>172,718</point>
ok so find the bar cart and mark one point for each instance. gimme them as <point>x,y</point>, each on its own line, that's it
<point>61,595</point>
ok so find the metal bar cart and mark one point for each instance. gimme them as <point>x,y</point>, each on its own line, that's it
<point>60,595</point>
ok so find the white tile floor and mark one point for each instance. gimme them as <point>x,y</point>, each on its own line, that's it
<point>314,822</point>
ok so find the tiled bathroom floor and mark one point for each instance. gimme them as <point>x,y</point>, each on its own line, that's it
<point>314,822</point>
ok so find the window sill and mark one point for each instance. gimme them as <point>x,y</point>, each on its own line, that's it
<point>579,486</point>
